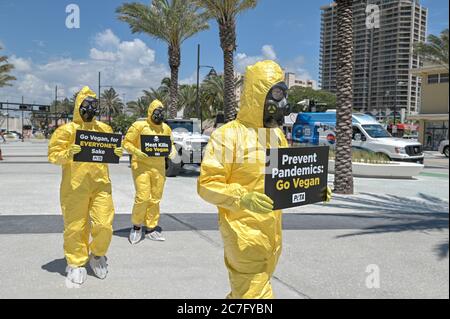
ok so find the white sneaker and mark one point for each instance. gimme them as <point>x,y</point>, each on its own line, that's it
<point>99,266</point>
<point>135,235</point>
<point>76,275</point>
<point>155,235</point>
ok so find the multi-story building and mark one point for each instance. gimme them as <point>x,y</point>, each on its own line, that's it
<point>433,111</point>
<point>383,54</point>
<point>291,80</point>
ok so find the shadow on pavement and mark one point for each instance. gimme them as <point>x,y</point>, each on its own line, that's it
<point>426,213</point>
<point>56,266</point>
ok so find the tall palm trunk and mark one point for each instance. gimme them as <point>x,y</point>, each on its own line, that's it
<point>343,181</point>
<point>228,44</point>
<point>174,63</point>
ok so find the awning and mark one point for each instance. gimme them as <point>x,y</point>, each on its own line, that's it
<point>428,117</point>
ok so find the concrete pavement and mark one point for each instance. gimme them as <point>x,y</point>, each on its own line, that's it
<point>400,226</point>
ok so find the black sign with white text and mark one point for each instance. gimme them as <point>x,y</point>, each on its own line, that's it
<point>156,145</point>
<point>296,176</point>
<point>97,147</point>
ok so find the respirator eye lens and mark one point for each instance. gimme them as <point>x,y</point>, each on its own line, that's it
<point>278,94</point>
<point>90,103</point>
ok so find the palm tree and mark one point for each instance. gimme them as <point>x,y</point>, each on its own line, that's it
<point>161,94</point>
<point>5,69</point>
<point>111,102</point>
<point>188,99</point>
<point>165,85</point>
<point>435,50</point>
<point>225,13</point>
<point>343,181</point>
<point>212,91</point>
<point>66,106</point>
<point>139,107</point>
<point>171,21</point>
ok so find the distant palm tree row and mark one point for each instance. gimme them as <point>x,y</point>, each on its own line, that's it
<point>5,69</point>
<point>211,98</point>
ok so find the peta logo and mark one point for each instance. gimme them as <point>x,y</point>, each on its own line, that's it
<point>97,158</point>
<point>298,198</point>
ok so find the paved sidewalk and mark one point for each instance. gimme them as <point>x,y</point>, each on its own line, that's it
<point>401,226</point>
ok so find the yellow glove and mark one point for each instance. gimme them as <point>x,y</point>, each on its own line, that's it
<point>74,149</point>
<point>140,155</point>
<point>328,194</point>
<point>257,203</point>
<point>118,151</point>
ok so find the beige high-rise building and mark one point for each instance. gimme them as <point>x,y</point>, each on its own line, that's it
<point>291,80</point>
<point>383,54</point>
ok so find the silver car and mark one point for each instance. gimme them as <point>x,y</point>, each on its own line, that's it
<point>444,148</point>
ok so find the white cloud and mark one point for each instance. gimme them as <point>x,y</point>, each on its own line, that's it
<point>269,52</point>
<point>297,66</point>
<point>21,65</point>
<point>106,39</point>
<point>102,55</point>
<point>129,66</point>
<point>191,80</point>
<point>39,43</point>
<point>243,60</point>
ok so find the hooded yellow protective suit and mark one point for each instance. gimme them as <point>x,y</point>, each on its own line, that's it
<point>233,166</point>
<point>149,174</point>
<point>85,192</point>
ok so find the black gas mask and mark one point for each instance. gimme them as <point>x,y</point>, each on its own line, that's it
<point>276,106</point>
<point>158,116</point>
<point>89,109</point>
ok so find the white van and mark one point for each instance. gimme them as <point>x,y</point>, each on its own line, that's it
<point>368,134</point>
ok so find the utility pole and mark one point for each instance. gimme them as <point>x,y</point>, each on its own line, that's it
<point>199,112</point>
<point>22,120</point>
<point>212,73</point>
<point>99,95</point>
<point>7,117</point>
<point>56,102</point>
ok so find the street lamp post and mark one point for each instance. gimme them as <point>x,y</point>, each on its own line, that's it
<point>396,93</point>
<point>212,72</point>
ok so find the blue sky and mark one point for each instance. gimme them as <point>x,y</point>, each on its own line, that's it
<point>46,53</point>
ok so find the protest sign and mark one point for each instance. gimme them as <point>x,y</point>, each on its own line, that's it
<point>296,176</point>
<point>156,145</point>
<point>97,147</point>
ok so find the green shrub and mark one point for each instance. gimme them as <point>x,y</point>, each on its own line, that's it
<point>361,156</point>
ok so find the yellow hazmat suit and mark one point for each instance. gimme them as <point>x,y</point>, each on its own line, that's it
<point>85,192</point>
<point>149,173</point>
<point>233,166</point>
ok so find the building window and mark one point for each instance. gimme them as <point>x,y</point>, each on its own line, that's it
<point>433,79</point>
<point>444,78</point>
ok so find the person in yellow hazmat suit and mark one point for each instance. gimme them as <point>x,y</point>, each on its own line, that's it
<point>232,178</point>
<point>149,174</point>
<point>85,193</point>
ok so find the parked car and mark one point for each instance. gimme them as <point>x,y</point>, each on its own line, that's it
<point>368,134</point>
<point>18,134</point>
<point>189,142</point>
<point>444,148</point>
